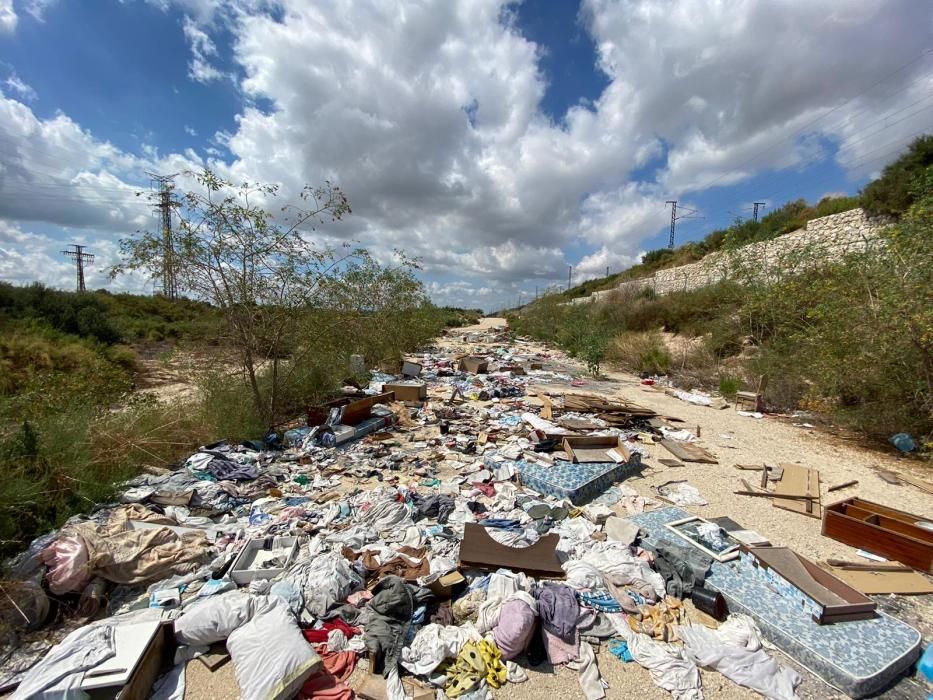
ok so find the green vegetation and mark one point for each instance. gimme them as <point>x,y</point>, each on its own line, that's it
<point>71,427</point>
<point>852,339</point>
<point>890,195</point>
<point>893,193</point>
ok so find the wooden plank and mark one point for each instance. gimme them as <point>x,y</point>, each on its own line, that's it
<point>845,485</point>
<point>688,452</point>
<point>922,485</point>
<point>799,481</point>
<point>547,407</point>
<point>771,494</point>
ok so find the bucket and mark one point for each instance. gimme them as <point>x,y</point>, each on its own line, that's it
<point>710,602</point>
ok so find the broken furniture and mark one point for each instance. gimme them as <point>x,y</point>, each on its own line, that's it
<point>141,650</point>
<point>618,413</point>
<point>824,596</point>
<point>859,658</point>
<point>263,558</point>
<point>578,483</point>
<point>884,531</point>
<point>479,550</point>
<point>595,448</point>
<point>752,400</point>
<point>354,409</point>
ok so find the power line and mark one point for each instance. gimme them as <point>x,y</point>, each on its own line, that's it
<point>80,257</point>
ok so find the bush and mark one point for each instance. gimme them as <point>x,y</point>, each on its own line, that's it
<point>728,385</point>
<point>893,193</point>
<point>641,353</point>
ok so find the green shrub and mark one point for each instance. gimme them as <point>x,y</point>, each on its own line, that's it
<point>893,193</point>
<point>641,353</point>
<point>728,385</point>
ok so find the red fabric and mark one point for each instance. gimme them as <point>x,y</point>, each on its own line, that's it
<point>330,684</point>
<point>320,636</point>
<point>487,489</point>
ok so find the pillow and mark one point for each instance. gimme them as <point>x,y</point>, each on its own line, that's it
<point>271,657</point>
<point>214,619</point>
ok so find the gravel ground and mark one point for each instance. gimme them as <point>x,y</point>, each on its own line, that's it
<point>772,440</point>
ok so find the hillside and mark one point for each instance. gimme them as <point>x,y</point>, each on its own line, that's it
<point>889,195</point>
<point>851,339</point>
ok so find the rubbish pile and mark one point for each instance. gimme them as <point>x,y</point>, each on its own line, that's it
<point>451,536</point>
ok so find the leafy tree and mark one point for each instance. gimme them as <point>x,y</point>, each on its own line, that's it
<point>259,270</point>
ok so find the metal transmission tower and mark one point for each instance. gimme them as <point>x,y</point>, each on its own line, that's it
<point>690,214</point>
<point>755,210</point>
<point>164,206</point>
<point>80,258</point>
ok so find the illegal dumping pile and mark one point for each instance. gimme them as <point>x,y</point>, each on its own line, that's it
<point>452,542</point>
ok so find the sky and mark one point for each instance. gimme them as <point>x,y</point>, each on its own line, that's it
<point>499,142</point>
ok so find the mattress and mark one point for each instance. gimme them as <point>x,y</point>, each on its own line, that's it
<point>579,483</point>
<point>858,658</point>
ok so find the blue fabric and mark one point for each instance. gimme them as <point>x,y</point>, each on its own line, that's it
<point>602,602</point>
<point>503,523</point>
<point>619,648</point>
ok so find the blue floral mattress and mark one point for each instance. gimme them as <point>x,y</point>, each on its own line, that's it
<point>858,658</point>
<point>577,482</point>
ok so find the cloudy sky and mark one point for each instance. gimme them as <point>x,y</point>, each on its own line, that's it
<point>498,141</point>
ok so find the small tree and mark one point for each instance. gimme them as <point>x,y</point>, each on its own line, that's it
<point>258,269</point>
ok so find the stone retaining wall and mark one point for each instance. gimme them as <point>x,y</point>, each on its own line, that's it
<point>821,240</point>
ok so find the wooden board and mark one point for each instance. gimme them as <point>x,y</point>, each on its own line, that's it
<point>799,481</point>
<point>880,582</point>
<point>688,452</point>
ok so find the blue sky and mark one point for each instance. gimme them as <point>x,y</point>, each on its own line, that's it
<point>498,141</point>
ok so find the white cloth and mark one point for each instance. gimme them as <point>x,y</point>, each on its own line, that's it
<point>592,683</point>
<point>735,651</point>
<point>670,667</point>
<point>433,643</point>
<point>58,675</point>
<point>616,559</point>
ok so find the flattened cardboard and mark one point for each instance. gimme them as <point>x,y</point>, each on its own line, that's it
<point>688,452</point>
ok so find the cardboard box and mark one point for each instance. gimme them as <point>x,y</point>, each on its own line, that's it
<point>245,567</point>
<point>474,364</point>
<point>407,391</point>
<point>443,587</point>
<point>596,448</point>
<point>514,369</point>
